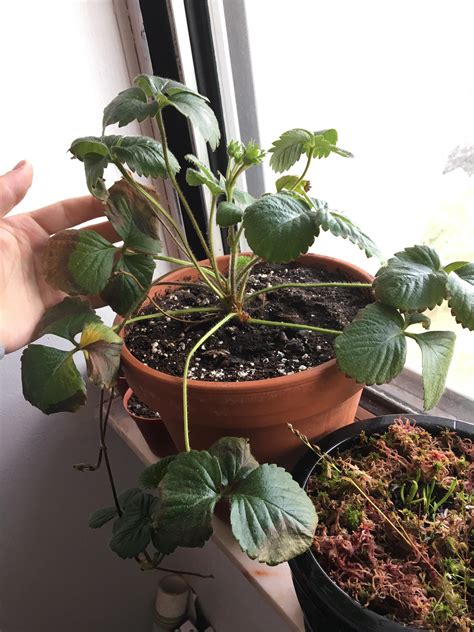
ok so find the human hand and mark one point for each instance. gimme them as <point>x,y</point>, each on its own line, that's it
<point>24,294</point>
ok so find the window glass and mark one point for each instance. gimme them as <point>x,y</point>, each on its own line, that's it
<point>395,80</point>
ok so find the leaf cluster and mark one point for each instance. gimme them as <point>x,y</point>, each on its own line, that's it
<point>277,226</point>
<point>271,517</point>
<point>51,380</point>
<point>373,348</point>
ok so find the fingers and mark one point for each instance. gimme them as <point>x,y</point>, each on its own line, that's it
<point>105,229</point>
<point>67,213</point>
<point>14,185</point>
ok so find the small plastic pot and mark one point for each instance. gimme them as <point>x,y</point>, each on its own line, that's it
<point>153,430</point>
<point>325,606</point>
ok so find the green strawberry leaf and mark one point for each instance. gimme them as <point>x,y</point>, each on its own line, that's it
<point>412,280</point>
<point>235,459</point>
<point>454,265</point>
<point>288,149</point>
<point>279,227</point>
<point>94,153</point>
<point>101,516</point>
<point>86,145</point>
<point>461,295</point>
<point>145,216</point>
<point>143,155</point>
<point>271,516</point>
<point>243,198</point>
<point>372,349</point>
<point>129,105</point>
<point>202,175</point>
<point>415,318</point>
<point>228,214</point>
<point>133,530</point>
<point>66,319</point>
<point>437,349</point>
<point>341,226</point>
<point>51,381</point>
<point>152,475</point>
<point>121,208</point>
<point>101,347</point>
<point>94,166</point>
<point>158,86</point>
<point>78,261</point>
<point>292,182</point>
<point>324,144</point>
<point>199,113</point>
<point>188,495</point>
<point>123,292</point>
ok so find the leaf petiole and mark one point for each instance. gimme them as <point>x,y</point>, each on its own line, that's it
<point>189,357</point>
<point>271,323</point>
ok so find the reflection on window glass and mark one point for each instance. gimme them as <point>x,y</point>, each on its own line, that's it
<point>395,80</point>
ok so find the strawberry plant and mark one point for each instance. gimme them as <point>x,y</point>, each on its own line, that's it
<point>271,517</point>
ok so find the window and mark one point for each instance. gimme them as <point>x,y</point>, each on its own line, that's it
<point>394,80</point>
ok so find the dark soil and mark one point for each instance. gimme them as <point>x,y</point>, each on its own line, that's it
<point>244,352</point>
<point>422,485</point>
<point>136,407</point>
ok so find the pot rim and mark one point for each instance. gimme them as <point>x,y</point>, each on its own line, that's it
<point>256,386</point>
<point>308,561</point>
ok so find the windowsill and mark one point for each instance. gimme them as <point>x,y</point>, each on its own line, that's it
<point>405,395</point>
<point>273,582</point>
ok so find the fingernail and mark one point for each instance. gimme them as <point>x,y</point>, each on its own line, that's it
<point>21,164</point>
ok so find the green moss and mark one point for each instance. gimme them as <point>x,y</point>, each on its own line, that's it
<point>351,518</point>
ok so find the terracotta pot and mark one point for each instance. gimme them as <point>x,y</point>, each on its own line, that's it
<point>122,384</point>
<point>153,430</point>
<point>316,401</point>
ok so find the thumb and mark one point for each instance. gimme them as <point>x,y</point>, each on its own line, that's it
<point>14,185</point>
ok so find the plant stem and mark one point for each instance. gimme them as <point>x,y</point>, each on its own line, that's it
<point>212,256</point>
<point>189,357</point>
<point>178,262</point>
<point>271,323</point>
<point>171,570</point>
<point>233,237</point>
<point>183,243</point>
<point>103,421</point>
<point>203,270</point>
<point>244,274</point>
<point>178,312</point>
<point>272,288</point>
<point>182,197</point>
<point>238,236</point>
<point>310,158</point>
<point>233,265</point>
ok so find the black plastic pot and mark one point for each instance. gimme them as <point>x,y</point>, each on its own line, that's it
<point>325,606</point>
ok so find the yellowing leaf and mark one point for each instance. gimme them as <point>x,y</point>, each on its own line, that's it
<point>101,347</point>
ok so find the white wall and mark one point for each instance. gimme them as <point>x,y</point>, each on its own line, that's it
<point>61,62</point>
